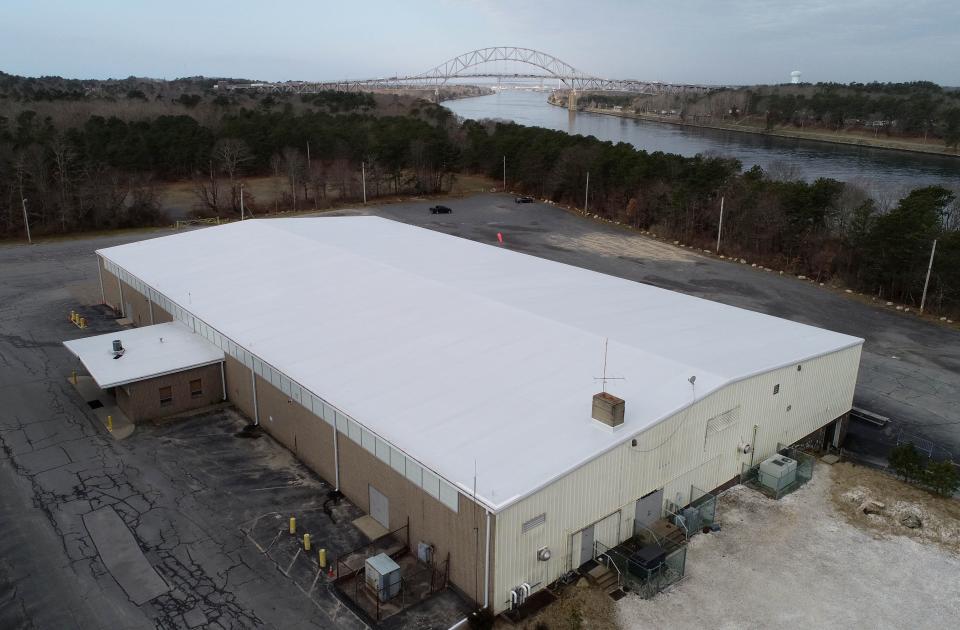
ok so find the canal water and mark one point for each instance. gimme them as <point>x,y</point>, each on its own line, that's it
<point>884,173</point>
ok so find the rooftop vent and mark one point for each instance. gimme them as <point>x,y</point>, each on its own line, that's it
<point>117,349</point>
<point>608,409</point>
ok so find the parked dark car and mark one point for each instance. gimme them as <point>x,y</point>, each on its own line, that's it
<point>524,199</point>
<point>440,210</point>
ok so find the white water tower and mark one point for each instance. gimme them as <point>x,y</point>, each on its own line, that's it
<point>795,77</point>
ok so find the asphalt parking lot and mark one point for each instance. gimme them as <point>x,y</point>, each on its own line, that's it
<point>185,488</point>
<point>189,491</point>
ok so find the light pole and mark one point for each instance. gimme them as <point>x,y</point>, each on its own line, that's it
<point>923,300</point>
<point>720,227</point>
<point>363,179</point>
<point>26,221</point>
<point>504,173</point>
<point>586,193</point>
<point>241,203</point>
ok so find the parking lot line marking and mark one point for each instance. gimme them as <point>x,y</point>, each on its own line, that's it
<point>295,556</point>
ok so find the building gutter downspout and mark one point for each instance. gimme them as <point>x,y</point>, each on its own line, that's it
<point>486,565</point>
<point>256,411</point>
<point>223,379</point>
<point>122,307</point>
<point>103,296</point>
<point>336,459</point>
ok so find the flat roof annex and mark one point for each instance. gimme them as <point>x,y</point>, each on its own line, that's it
<point>149,352</point>
<point>477,361</point>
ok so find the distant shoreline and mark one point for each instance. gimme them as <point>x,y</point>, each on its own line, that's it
<point>871,143</point>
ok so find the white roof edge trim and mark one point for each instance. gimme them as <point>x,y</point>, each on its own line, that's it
<point>157,375</point>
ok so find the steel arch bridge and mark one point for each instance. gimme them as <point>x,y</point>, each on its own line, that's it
<point>469,66</point>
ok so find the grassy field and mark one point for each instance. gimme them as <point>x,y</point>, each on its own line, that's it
<point>271,194</point>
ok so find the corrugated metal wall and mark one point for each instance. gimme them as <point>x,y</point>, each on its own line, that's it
<point>674,455</point>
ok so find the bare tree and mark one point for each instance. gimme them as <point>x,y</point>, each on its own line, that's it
<point>207,190</point>
<point>63,160</point>
<point>780,171</point>
<point>293,166</point>
<point>231,154</point>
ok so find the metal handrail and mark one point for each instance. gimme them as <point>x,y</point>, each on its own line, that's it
<point>608,563</point>
<point>682,521</point>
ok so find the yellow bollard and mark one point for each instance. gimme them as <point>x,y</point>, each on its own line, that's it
<point>322,557</point>
<point>83,322</point>
<point>110,424</point>
<point>73,316</point>
<point>306,542</point>
<point>73,377</point>
<point>293,525</point>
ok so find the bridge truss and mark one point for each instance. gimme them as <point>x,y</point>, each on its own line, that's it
<point>468,66</point>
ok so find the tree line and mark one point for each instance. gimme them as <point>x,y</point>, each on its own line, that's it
<point>918,109</point>
<point>103,171</point>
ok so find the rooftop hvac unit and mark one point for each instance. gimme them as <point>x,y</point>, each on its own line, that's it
<point>778,472</point>
<point>383,576</point>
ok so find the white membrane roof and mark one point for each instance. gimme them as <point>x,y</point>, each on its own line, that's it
<point>149,352</point>
<point>468,357</point>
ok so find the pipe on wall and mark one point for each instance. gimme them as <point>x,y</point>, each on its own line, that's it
<point>223,375</point>
<point>103,296</point>
<point>336,457</point>
<point>486,565</point>
<point>120,285</point>
<point>256,410</point>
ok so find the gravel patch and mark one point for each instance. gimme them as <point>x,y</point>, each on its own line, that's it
<point>800,561</point>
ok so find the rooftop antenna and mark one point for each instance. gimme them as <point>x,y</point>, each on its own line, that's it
<point>603,379</point>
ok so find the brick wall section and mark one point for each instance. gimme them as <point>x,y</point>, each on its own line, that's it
<point>139,311</point>
<point>430,521</point>
<point>306,435</point>
<point>141,400</point>
<point>239,386</point>
<point>111,291</point>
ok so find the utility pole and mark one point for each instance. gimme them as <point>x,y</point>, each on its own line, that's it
<point>241,202</point>
<point>363,178</point>
<point>26,221</point>
<point>504,173</point>
<point>720,227</point>
<point>308,156</point>
<point>923,300</point>
<point>586,193</point>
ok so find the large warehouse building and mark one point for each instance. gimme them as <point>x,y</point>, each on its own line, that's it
<point>452,383</point>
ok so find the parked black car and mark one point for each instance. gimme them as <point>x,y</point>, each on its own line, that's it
<point>524,199</point>
<point>440,210</point>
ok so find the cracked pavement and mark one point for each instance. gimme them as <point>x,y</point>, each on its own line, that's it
<point>184,489</point>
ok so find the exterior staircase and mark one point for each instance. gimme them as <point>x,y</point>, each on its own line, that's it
<point>607,580</point>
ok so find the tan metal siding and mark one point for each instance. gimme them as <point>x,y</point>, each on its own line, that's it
<point>673,455</point>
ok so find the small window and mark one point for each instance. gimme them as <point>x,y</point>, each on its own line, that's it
<point>799,367</point>
<point>196,388</point>
<point>534,522</point>
<point>776,389</point>
<point>166,396</point>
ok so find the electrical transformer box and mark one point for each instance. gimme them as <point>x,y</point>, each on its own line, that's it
<point>778,472</point>
<point>383,576</point>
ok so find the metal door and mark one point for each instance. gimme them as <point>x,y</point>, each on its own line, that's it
<point>586,545</point>
<point>379,507</point>
<point>649,509</point>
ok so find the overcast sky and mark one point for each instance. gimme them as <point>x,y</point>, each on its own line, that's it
<point>694,41</point>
